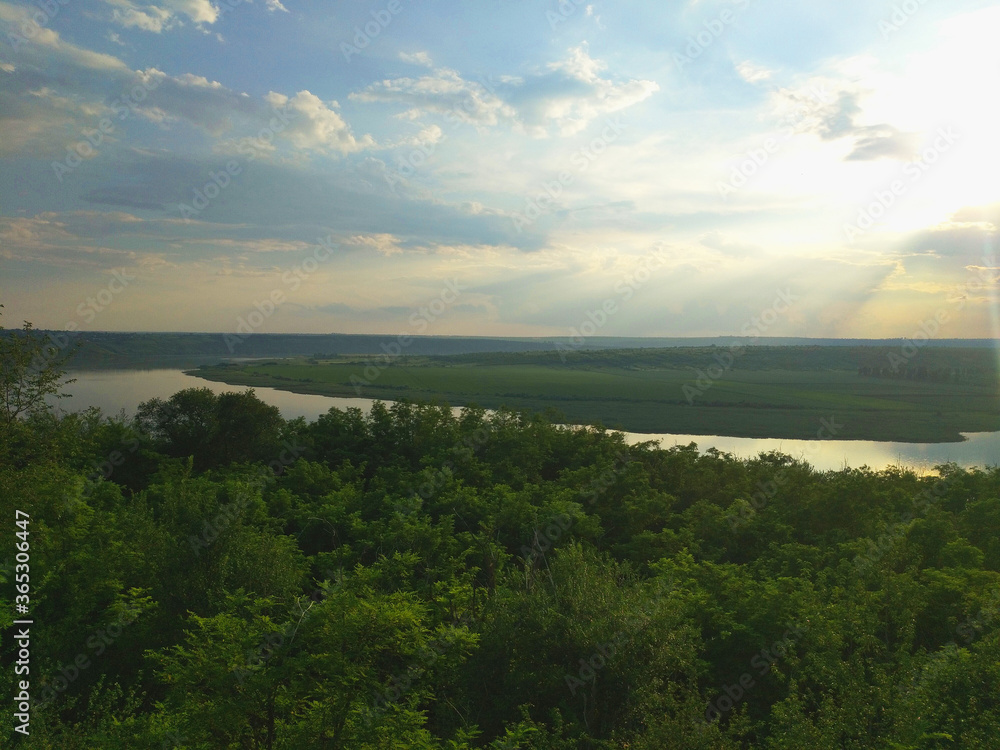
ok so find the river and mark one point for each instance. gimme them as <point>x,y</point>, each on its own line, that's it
<point>115,390</point>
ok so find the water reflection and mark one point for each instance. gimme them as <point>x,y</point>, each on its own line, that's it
<point>115,390</point>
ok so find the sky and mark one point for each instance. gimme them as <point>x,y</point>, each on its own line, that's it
<point>501,167</point>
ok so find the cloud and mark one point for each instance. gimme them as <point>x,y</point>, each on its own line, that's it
<point>149,18</point>
<point>159,18</point>
<point>572,93</point>
<point>17,18</point>
<point>833,115</point>
<point>969,242</point>
<point>417,58</point>
<point>383,244</point>
<point>882,142</point>
<point>443,92</point>
<point>268,198</point>
<point>43,120</point>
<point>566,96</point>
<point>109,196</point>
<point>265,245</point>
<point>317,126</point>
<point>591,13</point>
<point>753,73</point>
<point>49,107</point>
<point>273,5</point>
<point>61,240</point>
<point>246,145</point>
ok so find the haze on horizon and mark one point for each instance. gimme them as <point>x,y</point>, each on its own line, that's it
<point>514,167</point>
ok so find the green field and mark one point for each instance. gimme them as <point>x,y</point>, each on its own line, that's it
<point>781,392</point>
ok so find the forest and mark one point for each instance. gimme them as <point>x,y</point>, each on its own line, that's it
<point>206,574</point>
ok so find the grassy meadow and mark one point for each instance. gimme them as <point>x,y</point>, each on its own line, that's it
<point>780,393</point>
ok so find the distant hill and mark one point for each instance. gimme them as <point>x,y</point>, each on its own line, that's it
<point>106,349</point>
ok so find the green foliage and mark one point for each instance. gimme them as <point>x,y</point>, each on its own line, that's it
<point>32,368</point>
<point>216,429</point>
<point>220,578</point>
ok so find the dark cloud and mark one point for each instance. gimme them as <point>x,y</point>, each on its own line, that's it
<point>835,120</point>
<point>882,142</point>
<point>267,200</point>
<point>109,196</point>
<point>966,242</point>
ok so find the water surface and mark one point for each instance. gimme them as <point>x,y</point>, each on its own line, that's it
<point>115,390</point>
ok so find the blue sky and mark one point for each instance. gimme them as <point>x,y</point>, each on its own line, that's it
<point>188,164</point>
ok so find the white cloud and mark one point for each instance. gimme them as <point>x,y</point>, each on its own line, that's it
<point>573,94</point>
<point>189,79</point>
<point>273,5</point>
<point>317,126</point>
<point>263,245</point>
<point>427,137</point>
<point>199,11</point>
<point>417,58</point>
<point>148,18</point>
<point>443,92</point>
<point>835,110</point>
<point>383,244</point>
<point>49,111</point>
<point>591,12</point>
<point>17,17</point>
<point>64,240</point>
<point>159,18</point>
<point>568,95</point>
<point>753,73</point>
